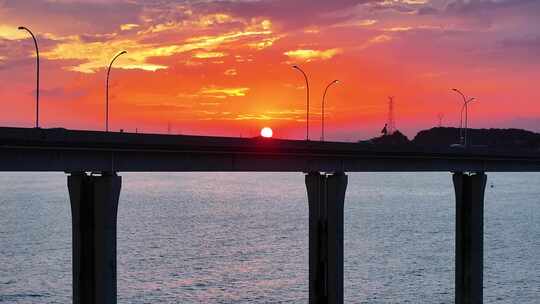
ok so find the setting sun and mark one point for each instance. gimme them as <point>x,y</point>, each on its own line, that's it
<point>267,132</point>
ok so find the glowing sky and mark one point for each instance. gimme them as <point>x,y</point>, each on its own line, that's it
<point>224,67</point>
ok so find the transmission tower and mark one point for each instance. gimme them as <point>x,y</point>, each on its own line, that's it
<point>391,121</point>
<point>440,117</point>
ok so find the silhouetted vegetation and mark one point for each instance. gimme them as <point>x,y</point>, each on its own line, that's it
<point>396,138</point>
<point>493,138</point>
<point>444,137</point>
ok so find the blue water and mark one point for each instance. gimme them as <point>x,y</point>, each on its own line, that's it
<point>242,238</point>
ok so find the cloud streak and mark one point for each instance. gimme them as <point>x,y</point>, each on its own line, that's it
<point>310,55</point>
<point>220,92</point>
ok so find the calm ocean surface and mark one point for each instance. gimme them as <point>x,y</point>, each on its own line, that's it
<point>242,238</point>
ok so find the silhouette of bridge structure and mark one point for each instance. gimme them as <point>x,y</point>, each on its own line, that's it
<point>92,161</point>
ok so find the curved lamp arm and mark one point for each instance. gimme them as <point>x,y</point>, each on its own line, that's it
<point>23,28</point>
<point>107,90</point>
<point>307,106</point>
<point>323,103</point>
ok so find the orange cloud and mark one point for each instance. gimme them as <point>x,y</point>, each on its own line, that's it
<point>12,33</point>
<point>217,92</point>
<point>376,40</point>
<point>309,55</point>
<point>212,19</point>
<point>206,55</point>
<point>293,115</point>
<point>380,39</point>
<point>231,72</point>
<point>356,23</point>
<point>96,55</point>
<point>128,26</point>
<point>264,43</point>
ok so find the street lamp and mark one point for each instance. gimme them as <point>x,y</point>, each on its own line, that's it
<point>107,91</point>
<point>307,106</point>
<point>466,101</point>
<point>323,99</point>
<point>23,28</point>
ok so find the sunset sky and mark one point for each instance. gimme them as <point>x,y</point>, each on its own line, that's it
<point>224,67</point>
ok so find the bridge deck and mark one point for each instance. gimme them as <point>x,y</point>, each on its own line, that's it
<point>23,149</point>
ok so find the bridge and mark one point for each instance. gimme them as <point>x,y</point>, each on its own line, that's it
<point>92,161</point>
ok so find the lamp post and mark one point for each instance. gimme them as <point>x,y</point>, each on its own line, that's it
<point>107,91</point>
<point>323,99</point>
<point>23,28</point>
<point>307,106</point>
<point>466,101</point>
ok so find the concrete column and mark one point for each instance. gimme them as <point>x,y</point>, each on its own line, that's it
<point>94,205</point>
<point>326,197</point>
<point>470,190</point>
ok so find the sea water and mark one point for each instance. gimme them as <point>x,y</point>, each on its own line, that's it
<point>243,238</point>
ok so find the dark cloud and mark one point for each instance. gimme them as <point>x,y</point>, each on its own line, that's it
<point>480,6</point>
<point>96,37</point>
<point>489,16</point>
<point>522,42</point>
<point>82,17</point>
<point>427,10</point>
<point>16,53</point>
<point>523,50</point>
<point>292,14</point>
<point>59,93</point>
<point>19,52</point>
<point>391,6</point>
<point>15,63</point>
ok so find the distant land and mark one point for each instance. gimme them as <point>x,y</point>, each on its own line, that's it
<point>444,137</point>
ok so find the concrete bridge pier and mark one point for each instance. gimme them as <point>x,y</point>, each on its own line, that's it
<point>470,190</point>
<point>326,197</point>
<point>94,205</point>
